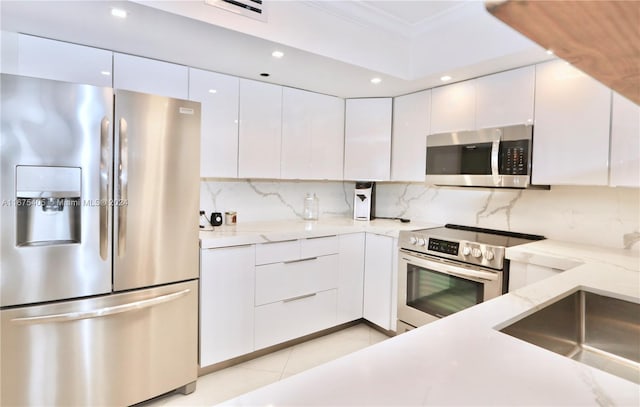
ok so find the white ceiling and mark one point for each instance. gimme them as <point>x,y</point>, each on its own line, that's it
<point>332,47</point>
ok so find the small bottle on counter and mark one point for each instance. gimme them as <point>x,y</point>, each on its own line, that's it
<point>311,207</point>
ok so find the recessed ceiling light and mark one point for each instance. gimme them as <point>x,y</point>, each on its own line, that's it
<point>213,91</point>
<point>105,73</point>
<point>445,78</point>
<point>550,52</point>
<point>277,54</point>
<point>118,12</point>
<point>376,81</point>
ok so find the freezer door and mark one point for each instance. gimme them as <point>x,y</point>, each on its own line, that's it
<point>55,176</point>
<point>113,350</point>
<point>157,190</point>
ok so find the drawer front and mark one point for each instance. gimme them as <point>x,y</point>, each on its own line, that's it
<point>283,281</point>
<point>282,321</point>
<point>319,246</point>
<point>267,253</point>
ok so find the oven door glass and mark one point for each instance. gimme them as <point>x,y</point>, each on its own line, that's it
<point>440,294</point>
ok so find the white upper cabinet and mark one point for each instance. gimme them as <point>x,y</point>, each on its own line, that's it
<point>571,134</point>
<point>48,59</point>
<point>367,150</point>
<point>453,107</point>
<point>312,135</point>
<point>218,96</point>
<point>505,98</point>
<point>150,76</point>
<point>411,117</point>
<point>260,135</point>
<point>625,143</point>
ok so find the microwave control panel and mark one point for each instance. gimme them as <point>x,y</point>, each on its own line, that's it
<point>514,157</point>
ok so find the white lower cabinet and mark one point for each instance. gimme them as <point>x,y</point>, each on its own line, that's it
<point>380,281</point>
<point>350,277</point>
<point>226,303</point>
<point>284,281</point>
<point>292,318</point>
<point>523,274</point>
<point>296,289</point>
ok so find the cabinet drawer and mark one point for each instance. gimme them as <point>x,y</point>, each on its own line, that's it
<point>282,281</point>
<point>319,246</point>
<point>276,252</point>
<point>282,321</point>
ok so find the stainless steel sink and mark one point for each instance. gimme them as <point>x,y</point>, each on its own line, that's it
<point>600,331</point>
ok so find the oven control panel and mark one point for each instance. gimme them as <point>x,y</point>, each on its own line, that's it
<point>443,246</point>
<point>464,251</point>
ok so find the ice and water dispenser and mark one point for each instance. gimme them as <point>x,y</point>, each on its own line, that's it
<point>48,205</point>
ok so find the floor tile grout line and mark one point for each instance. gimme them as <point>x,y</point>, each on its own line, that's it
<point>284,368</point>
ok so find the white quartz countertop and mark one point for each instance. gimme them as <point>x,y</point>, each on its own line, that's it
<point>273,231</point>
<point>464,360</point>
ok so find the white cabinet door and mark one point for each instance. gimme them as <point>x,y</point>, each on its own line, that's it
<point>146,75</point>
<point>351,277</point>
<point>505,98</point>
<point>571,133</point>
<point>260,130</point>
<point>367,150</point>
<point>411,117</point>
<point>523,274</point>
<point>226,303</point>
<point>625,143</point>
<point>285,320</point>
<point>218,95</point>
<point>453,107</point>
<point>312,135</point>
<point>378,280</point>
<point>60,61</point>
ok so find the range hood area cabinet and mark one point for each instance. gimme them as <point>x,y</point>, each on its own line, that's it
<point>497,100</point>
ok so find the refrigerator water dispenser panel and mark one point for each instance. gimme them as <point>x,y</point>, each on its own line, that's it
<point>48,205</point>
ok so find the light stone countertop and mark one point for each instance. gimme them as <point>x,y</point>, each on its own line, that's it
<point>273,231</point>
<point>464,360</point>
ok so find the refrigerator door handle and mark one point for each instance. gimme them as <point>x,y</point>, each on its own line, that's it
<point>123,173</point>
<point>105,176</point>
<point>102,312</point>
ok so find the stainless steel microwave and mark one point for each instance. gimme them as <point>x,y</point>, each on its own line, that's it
<point>497,157</point>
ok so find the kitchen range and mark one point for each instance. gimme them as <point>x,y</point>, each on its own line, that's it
<point>99,246</point>
<point>447,269</point>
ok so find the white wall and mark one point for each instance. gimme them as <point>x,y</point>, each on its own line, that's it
<point>600,216</point>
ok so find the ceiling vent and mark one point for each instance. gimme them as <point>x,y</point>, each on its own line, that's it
<point>255,9</point>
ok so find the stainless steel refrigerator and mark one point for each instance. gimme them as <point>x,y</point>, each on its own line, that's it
<point>99,192</point>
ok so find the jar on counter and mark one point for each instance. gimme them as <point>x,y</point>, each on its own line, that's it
<point>311,207</point>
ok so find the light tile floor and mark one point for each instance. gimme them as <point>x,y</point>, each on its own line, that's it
<point>242,378</point>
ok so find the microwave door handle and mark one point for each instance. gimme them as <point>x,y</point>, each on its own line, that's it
<point>495,171</point>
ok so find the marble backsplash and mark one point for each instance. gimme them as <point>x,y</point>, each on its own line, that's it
<point>600,216</point>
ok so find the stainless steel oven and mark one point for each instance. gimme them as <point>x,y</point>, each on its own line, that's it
<point>444,270</point>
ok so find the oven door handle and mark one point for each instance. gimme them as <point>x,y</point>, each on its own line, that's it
<point>453,270</point>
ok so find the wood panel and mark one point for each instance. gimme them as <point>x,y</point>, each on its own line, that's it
<point>601,38</point>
